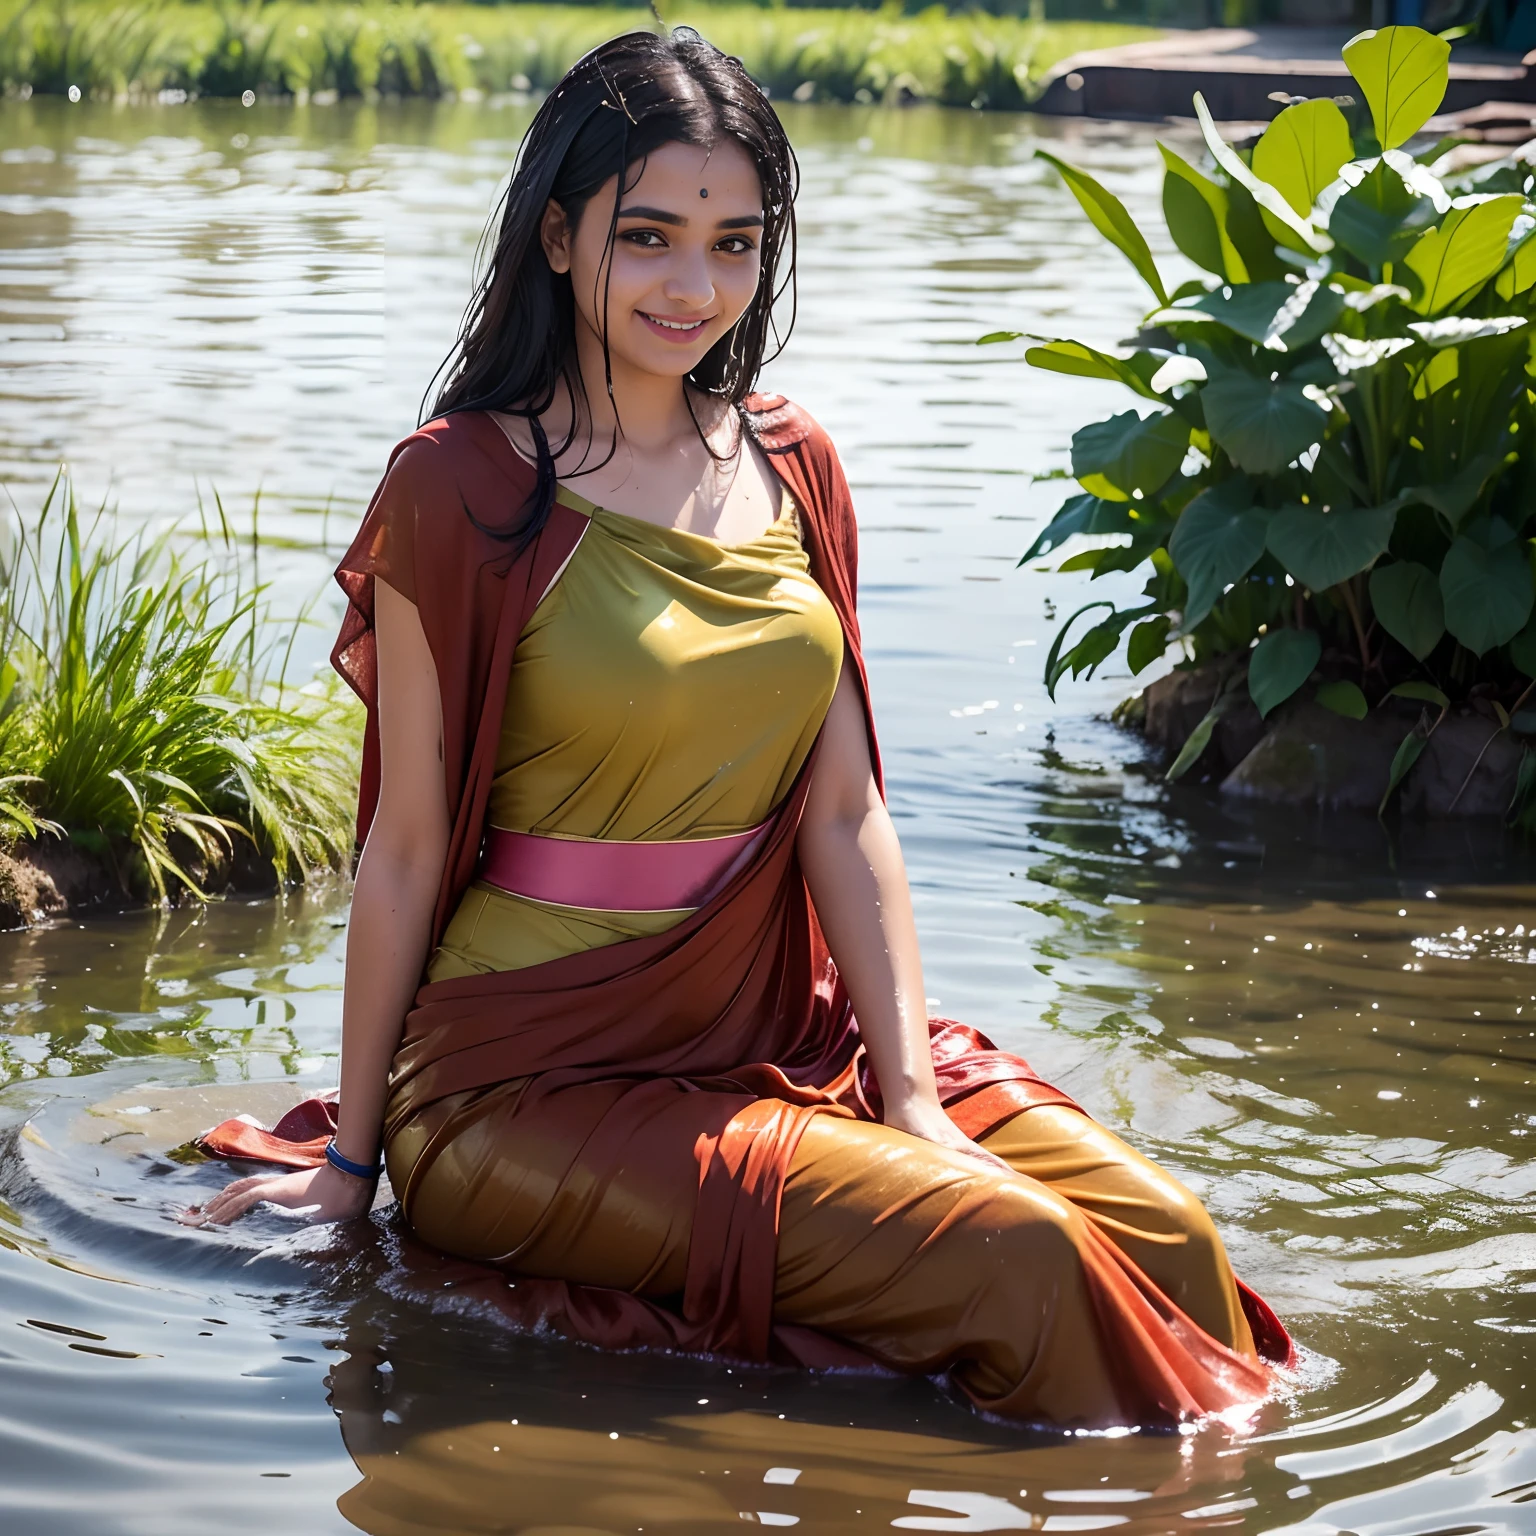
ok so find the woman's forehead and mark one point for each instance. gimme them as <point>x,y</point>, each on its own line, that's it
<point>686,175</point>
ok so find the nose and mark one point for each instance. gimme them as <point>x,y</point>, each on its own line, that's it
<point>689,283</point>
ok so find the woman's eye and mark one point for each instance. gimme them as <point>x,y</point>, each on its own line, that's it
<point>644,237</point>
<point>735,245</point>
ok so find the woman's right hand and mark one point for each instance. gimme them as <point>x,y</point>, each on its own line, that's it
<point>322,1194</point>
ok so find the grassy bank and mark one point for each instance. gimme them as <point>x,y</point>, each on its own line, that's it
<point>103,48</point>
<point>151,742</point>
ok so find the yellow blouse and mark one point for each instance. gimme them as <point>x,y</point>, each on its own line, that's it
<point>667,687</point>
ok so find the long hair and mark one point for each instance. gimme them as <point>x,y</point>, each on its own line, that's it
<point>517,342</point>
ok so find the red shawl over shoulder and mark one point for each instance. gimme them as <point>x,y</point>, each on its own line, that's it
<point>740,997</point>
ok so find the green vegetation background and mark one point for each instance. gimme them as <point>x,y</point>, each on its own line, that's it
<point>106,48</point>
<point>1335,482</point>
<point>147,716</point>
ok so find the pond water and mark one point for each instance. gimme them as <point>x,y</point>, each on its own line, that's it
<point>1323,1029</point>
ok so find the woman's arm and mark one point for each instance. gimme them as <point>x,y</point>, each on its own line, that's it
<point>858,882</point>
<point>392,902</point>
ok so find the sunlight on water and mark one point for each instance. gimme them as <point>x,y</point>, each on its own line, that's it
<point>1327,1036</point>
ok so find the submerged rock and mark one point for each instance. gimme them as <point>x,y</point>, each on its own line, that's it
<point>1306,756</point>
<point>1174,705</point>
<point>1309,756</point>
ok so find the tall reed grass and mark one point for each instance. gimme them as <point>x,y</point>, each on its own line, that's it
<point>143,47</point>
<point>145,704</point>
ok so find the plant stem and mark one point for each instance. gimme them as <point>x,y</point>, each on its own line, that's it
<point>1348,591</point>
<point>1497,731</point>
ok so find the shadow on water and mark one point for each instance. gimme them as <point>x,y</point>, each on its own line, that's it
<point>1322,1028</point>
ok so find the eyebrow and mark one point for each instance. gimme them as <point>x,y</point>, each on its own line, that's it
<point>662,216</point>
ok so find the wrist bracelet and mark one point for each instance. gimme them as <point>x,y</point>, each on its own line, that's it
<point>346,1165</point>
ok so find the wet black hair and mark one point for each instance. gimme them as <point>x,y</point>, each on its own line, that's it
<point>517,343</point>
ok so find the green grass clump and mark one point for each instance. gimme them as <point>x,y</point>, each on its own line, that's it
<point>144,706</point>
<point>142,47</point>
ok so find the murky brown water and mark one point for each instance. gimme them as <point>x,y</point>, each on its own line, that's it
<point>1328,1034</point>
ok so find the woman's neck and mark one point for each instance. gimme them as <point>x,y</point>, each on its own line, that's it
<point>648,412</point>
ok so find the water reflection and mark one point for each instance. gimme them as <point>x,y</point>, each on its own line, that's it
<point>1339,1060</point>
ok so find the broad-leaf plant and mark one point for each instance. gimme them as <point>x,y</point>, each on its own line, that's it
<point>1323,466</point>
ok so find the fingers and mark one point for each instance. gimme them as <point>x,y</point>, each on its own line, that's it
<point>979,1153</point>
<point>975,1154</point>
<point>231,1202</point>
<point>223,1208</point>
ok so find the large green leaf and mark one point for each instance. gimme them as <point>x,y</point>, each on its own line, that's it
<point>1195,210</point>
<point>1247,308</point>
<point>1463,253</point>
<point>1277,315</point>
<point>1352,355</point>
<point>1423,693</point>
<point>1520,273</point>
<point>1281,662</point>
<point>1403,72</point>
<point>1321,549</point>
<point>1080,514</point>
<point>1178,369</point>
<point>1312,309</point>
<point>1406,598</point>
<point>1522,650</point>
<point>1379,219</point>
<point>1129,455</point>
<point>1255,244</point>
<point>1109,216</point>
<point>1344,698</point>
<point>1271,201</point>
<point>1408,752</point>
<point>1262,423</point>
<point>1215,542</point>
<point>1087,362</point>
<point>1055,663</point>
<point>1299,154</point>
<point>1095,647</point>
<point>1457,330</point>
<point>1147,643</point>
<point>1455,497</point>
<point>1487,593</point>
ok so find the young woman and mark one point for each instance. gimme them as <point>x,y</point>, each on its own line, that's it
<point>634,1008</point>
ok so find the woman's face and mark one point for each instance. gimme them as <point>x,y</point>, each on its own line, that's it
<point>685,259</point>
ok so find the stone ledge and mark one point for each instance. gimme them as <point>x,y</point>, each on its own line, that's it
<point>1305,756</point>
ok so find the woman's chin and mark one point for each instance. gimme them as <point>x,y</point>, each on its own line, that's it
<point>651,353</point>
<point>667,362</point>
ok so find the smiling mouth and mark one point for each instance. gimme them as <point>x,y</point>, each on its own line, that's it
<point>682,330</point>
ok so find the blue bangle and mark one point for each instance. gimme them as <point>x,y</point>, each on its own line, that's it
<point>346,1165</point>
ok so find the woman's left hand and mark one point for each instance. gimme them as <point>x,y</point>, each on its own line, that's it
<point>924,1118</point>
<point>321,1194</point>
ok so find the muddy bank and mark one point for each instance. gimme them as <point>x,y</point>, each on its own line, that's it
<point>50,877</point>
<point>1306,756</point>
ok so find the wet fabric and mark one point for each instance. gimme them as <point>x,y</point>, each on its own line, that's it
<point>733,1019</point>
<point>920,1258</point>
<point>667,687</point>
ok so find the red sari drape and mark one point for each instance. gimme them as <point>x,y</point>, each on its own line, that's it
<point>741,997</point>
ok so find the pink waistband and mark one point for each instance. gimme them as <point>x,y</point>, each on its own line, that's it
<point>614,876</point>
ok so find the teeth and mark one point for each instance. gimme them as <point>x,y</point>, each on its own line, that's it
<point>676,325</point>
